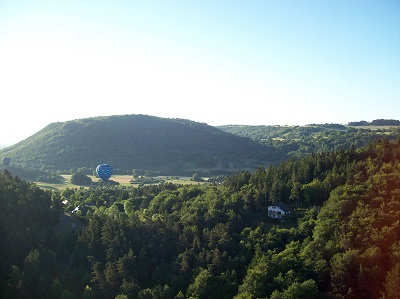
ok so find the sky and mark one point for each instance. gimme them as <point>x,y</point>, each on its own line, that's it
<point>220,62</point>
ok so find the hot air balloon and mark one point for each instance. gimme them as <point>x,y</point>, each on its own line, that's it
<point>6,161</point>
<point>104,171</point>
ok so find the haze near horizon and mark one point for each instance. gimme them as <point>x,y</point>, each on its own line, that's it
<point>218,62</point>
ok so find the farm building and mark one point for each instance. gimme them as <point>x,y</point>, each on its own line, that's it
<point>277,211</point>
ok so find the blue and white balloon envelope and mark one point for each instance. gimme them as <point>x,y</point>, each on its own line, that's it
<point>104,171</point>
<point>6,161</point>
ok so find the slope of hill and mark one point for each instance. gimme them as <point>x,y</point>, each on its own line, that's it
<point>298,141</point>
<point>136,142</point>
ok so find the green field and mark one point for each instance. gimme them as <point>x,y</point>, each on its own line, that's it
<point>374,128</point>
<point>124,180</point>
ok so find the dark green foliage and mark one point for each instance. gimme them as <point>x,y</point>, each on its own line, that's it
<point>27,243</point>
<point>215,241</point>
<point>34,174</point>
<point>52,179</point>
<point>80,179</point>
<point>197,178</point>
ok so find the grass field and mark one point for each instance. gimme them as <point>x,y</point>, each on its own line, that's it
<point>124,180</point>
<point>374,128</point>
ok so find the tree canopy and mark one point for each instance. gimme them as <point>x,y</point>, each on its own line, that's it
<point>341,239</point>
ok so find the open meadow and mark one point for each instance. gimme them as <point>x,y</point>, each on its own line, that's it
<point>123,180</point>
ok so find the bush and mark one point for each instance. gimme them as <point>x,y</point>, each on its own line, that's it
<point>81,179</point>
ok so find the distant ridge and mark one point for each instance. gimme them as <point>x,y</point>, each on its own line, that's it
<point>136,142</point>
<point>376,122</point>
<point>298,141</point>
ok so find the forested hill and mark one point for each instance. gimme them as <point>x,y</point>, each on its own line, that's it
<point>299,141</point>
<point>137,142</point>
<point>376,122</point>
<point>212,241</point>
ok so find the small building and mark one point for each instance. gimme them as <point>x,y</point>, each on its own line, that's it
<point>277,211</point>
<point>76,209</point>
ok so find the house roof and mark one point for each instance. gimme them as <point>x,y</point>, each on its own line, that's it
<point>282,206</point>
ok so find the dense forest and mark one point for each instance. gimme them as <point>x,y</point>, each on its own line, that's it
<point>342,239</point>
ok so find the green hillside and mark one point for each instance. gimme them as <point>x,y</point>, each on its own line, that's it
<point>136,142</point>
<point>178,146</point>
<point>299,141</point>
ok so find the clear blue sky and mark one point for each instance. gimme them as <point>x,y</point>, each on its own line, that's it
<point>256,62</point>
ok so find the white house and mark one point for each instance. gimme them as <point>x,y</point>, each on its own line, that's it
<point>276,212</point>
<point>76,209</point>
